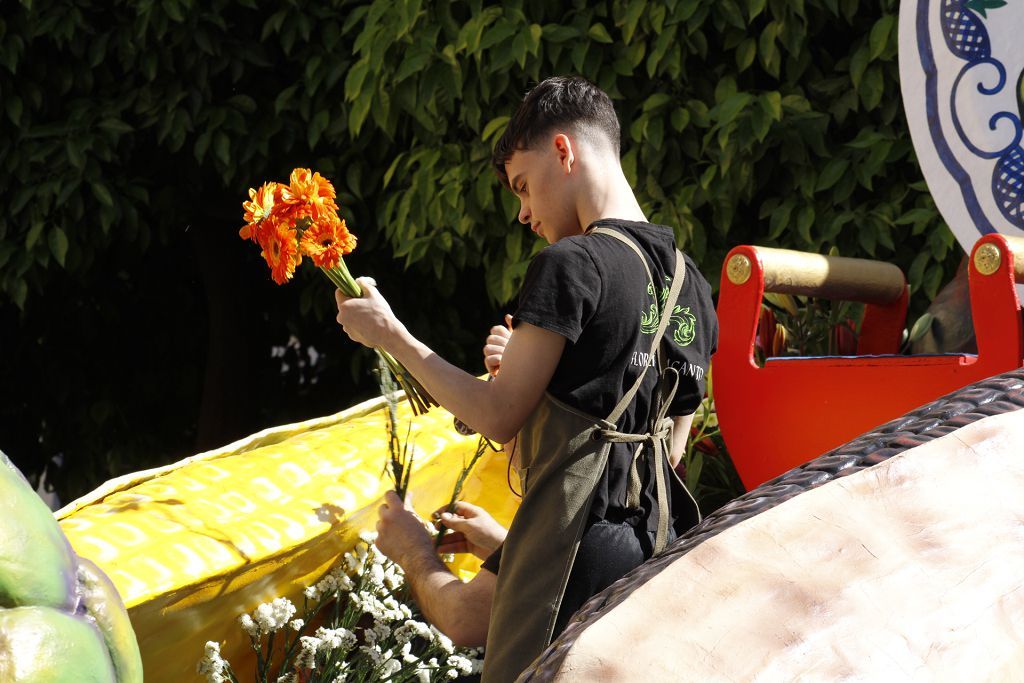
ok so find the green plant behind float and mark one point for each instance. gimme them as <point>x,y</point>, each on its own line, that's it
<point>744,121</point>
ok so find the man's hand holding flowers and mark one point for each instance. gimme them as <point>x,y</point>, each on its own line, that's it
<point>368,319</point>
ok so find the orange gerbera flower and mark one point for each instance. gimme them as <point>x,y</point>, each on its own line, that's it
<point>326,241</point>
<point>307,187</point>
<point>280,249</point>
<point>297,216</point>
<point>260,205</point>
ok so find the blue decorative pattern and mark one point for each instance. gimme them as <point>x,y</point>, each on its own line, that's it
<point>967,38</point>
<point>949,160</point>
<point>965,35</point>
<point>1008,185</point>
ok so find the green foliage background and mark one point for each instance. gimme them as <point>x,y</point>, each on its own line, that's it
<point>137,327</point>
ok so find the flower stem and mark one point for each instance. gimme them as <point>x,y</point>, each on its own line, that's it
<point>419,399</point>
<point>482,444</point>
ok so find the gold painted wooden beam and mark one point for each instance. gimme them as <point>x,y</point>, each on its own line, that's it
<point>829,277</point>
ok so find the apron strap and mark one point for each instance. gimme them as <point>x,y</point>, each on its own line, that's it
<point>661,428</point>
<point>670,302</point>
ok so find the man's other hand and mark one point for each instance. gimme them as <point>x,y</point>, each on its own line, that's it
<point>473,530</point>
<point>494,347</point>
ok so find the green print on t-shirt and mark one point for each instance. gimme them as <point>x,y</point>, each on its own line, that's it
<point>685,323</point>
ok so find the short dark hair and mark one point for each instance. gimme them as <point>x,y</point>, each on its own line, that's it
<point>556,101</point>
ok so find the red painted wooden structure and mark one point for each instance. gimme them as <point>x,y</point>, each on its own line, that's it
<point>776,417</point>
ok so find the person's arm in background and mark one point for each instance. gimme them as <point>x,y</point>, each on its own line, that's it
<point>461,610</point>
<point>680,435</point>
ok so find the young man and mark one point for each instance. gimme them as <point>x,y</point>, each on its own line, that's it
<point>612,339</point>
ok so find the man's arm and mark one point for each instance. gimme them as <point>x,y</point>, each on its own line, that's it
<point>680,435</point>
<point>496,409</point>
<point>460,610</point>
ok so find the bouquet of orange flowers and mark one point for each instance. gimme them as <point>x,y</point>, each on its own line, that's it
<point>301,219</point>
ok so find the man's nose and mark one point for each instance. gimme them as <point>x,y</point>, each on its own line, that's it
<point>524,214</point>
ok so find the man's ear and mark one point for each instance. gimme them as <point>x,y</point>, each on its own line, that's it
<point>566,157</point>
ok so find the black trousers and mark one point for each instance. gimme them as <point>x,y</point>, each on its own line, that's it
<point>608,550</point>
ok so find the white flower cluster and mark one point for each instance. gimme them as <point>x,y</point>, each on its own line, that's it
<point>389,640</point>
<point>382,611</point>
<point>269,617</point>
<point>412,629</point>
<point>443,641</point>
<point>325,640</point>
<point>212,665</point>
<point>460,665</point>
<point>336,639</point>
<point>336,581</point>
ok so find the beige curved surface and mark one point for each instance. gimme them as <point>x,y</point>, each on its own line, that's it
<point>910,570</point>
<point>193,545</point>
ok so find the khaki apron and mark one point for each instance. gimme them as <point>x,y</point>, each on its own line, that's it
<point>563,453</point>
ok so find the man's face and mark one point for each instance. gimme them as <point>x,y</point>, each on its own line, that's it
<point>540,179</point>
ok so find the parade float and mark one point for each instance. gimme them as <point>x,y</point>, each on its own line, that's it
<point>880,532</point>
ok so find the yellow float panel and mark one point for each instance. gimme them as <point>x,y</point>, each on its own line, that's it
<point>194,545</point>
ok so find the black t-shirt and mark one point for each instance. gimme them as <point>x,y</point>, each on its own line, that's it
<point>593,290</point>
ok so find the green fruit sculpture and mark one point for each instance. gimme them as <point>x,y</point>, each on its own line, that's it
<point>61,619</point>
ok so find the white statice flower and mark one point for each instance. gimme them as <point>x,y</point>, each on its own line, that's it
<point>344,582</point>
<point>249,626</point>
<point>296,624</point>
<point>452,674</point>
<point>372,653</point>
<point>354,559</point>
<point>306,657</point>
<point>212,665</point>
<point>403,634</point>
<point>461,664</point>
<point>390,668</point>
<point>378,633</point>
<point>393,577</point>
<point>393,610</point>
<point>407,656</point>
<point>324,587</point>
<point>422,675</point>
<point>386,610</point>
<point>271,616</point>
<point>368,537</point>
<point>327,585</point>
<point>290,677</point>
<point>336,639</point>
<point>376,575</point>
<point>419,628</point>
<point>443,641</point>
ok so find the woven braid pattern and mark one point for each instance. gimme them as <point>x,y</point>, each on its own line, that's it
<point>993,396</point>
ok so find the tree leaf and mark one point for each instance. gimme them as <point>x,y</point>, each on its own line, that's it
<point>493,126</point>
<point>745,54</point>
<point>599,33</point>
<point>555,33</point>
<point>655,101</point>
<point>316,127</point>
<point>58,244</point>
<point>102,194</point>
<point>34,232</point>
<point>880,32</point>
<point>831,174</point>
